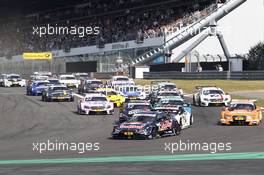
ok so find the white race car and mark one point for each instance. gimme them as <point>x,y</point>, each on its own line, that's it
<point>182,111</point>
<point>95,103</point>
<point>209,95</point>
<point>11,80</point>
<point>120,81</point>
<point>69,80</point>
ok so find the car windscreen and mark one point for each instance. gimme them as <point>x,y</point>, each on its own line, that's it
<point>14,77</point>
<point>163,102</point>
<point>166,94</point>
<point>207,92</point>
<point>169,86</point>
<point>122,79</point>
<point>59,88</point>
<point>42,83</point>
<point>96,82</point>
<point>142,118</point>
<point>138,106</point>
<point>54,81</point>
<point>68,78</point>
<point>111,93</point>
<point>241,106</point>
<point>95,99</point>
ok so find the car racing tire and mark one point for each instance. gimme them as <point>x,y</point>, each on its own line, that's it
<point>191,120</point>
<point>153,134</point>
<point>194,101</point>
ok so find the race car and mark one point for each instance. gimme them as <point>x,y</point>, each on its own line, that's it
<point>241,112</point>
<point>13,80</point>
<point>88,85</point>
<point>95,103</point>
<point>133,107</point>
<point>147,125</point>
<point>69,80</point>
<point>37,87</point>
<point>113,96</point>
<point>132,92</point>
<point>57,92</point>
<point>120,81</point>
<point>154,97</point>
<point>165,86</point>
<point>82,76</point>
<point>182,111</point>
<point>210,95</point>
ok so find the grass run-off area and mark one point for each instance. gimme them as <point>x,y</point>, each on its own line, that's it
<point>229,86</point>
<point>188,86</point>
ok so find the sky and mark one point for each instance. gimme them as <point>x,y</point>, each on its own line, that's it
<point>242,29</point>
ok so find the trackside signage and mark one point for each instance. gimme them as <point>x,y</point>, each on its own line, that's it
<point>37,56</point>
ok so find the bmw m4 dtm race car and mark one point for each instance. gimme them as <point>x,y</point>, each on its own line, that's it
<point>134,107</point>
<point>69,80</point>
<point>209,95</point>
<point>13,80</point>
<point>120,81</point>
<point>88,85</point>
<point>154,97</point>
<point>57,93</point>
<point>147,125</point>
<point>132,92</point>
<point>37,87</point>
<point>95,103</point>
<point>181,111</point>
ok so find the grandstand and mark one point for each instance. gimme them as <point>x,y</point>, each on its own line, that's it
<point>119,21</point>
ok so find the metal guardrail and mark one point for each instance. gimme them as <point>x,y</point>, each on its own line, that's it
<point>205,75</point>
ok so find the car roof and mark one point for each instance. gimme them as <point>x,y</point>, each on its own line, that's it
<point>166,83</point>
<point>94,95</point>
<point>172,98</point>
<point>211,88</point>
<point>105,89</point>
<point>148,113</point>
<point>169,92</point>
<point>57,85</point>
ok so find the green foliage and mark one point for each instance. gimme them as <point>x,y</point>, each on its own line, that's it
<point>256,57</point>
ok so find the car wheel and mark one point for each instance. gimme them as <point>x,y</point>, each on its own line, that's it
<point>194,101</point>
<point>153,134</point>
<point>176,131</point>
<point>191,120</point>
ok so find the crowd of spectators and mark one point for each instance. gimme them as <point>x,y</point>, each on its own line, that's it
<point>119,20</point>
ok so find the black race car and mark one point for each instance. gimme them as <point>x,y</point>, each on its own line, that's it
<point>134,107</point>
<point>88,85</point>
<point>57,92</point>
<point>147,125</point>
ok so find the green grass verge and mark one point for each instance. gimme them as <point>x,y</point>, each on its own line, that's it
<point>227,85</point>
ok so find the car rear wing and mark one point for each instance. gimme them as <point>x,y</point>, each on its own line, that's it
<point>157,82</point>
<point>200,87</point>
<point>244,100</point>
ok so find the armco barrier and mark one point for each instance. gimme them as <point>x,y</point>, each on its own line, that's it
<point>205,75</point>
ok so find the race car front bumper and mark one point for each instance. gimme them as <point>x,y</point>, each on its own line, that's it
<point>211,103</point>
<point>239,122</point>
<point>97,111</point>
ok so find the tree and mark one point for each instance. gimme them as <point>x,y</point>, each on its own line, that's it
<point>256,57</point>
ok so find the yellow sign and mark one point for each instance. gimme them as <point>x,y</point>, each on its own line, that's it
<point>37,56</point>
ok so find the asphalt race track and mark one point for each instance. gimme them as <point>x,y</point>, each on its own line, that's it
<point>25,120</point>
